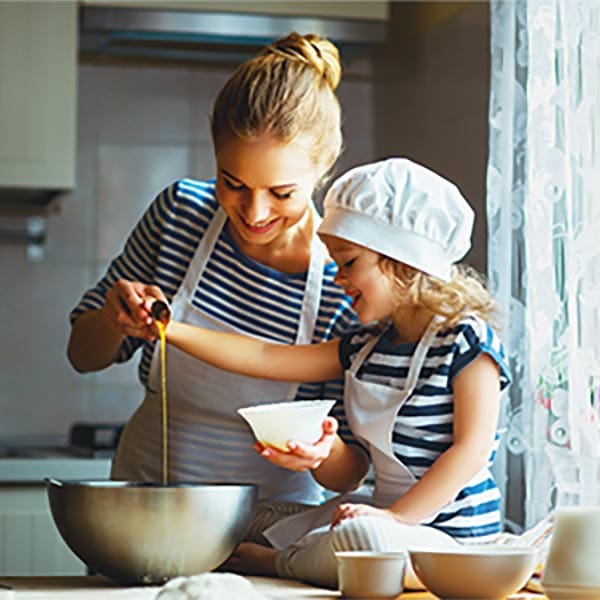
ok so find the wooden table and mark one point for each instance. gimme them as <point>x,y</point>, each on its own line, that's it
<point>99,588</point>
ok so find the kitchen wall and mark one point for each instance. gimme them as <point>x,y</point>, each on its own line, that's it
<point>431,96</point>
<point>141,126</point>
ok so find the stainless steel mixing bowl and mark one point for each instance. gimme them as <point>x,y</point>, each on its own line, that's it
<point>148,533</point>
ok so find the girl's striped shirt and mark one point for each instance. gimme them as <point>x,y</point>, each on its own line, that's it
<point>423,428</point>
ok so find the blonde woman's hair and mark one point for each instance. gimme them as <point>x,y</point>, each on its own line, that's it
<point>464,294</point>
<point>287,90</point>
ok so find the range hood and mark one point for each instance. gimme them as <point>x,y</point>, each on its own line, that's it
<point>208,36</point>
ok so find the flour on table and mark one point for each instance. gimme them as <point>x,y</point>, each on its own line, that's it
<point>210,586</point>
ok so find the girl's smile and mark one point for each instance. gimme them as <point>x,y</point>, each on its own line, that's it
<point>363,280</point>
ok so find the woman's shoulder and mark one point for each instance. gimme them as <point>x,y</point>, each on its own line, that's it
<point>194,193</point>
<point>183,208</point>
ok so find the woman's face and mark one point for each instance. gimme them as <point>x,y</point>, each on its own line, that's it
<point>264,186</point>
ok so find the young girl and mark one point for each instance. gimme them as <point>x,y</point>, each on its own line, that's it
<point>423,375</point>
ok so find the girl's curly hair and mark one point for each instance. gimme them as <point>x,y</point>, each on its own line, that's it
<point>466,292</point>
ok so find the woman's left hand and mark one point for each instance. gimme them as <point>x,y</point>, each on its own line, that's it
<point>302,457</point>
<point>351,511</point>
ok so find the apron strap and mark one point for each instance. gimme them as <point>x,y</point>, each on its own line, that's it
<point>312,292</point>
<point>201,255</point>
<point>363,352</point>
<point>417,359</point>
<point>421,353</point>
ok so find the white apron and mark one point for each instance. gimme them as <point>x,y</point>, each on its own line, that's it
<point>208,440</point>
<point>371,410</point>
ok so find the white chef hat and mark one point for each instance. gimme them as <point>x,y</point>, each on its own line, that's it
<point>402,210</point>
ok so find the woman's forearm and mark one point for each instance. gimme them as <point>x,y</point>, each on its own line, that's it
<point>344,469</point>
<point>94,342</point>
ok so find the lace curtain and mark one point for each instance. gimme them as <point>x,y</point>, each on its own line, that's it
<point>543,205</point>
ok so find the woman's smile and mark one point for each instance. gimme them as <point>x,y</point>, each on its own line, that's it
<point>261,227</point>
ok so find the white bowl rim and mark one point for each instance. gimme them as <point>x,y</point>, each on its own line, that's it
<point>570,587</point>
<point>371,554</point>
<point>475,551</point>
<point>292,404</point>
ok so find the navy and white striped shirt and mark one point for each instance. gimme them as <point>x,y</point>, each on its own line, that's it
<point>253,298</point>
<point>423,428</point>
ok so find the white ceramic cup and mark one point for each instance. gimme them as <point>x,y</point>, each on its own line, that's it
<point>572,564</point>
<point>366,574</point>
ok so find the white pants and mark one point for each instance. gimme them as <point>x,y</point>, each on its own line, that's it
<point>312,560</point>
<point>269,513</point>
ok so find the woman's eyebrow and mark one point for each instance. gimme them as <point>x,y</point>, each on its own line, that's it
<point>273,187</point>
<point>231,175</point>
<point>283,186</point>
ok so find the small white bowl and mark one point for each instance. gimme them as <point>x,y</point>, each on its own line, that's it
<point>483,572</point>
<point>368,574</point>
<point>276,424</point>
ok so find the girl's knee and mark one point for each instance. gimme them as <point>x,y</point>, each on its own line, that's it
<point>361,533</point>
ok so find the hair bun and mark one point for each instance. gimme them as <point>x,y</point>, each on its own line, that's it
<point>311,49</point>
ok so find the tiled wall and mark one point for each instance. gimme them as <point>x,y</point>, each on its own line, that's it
<point>139,128</point>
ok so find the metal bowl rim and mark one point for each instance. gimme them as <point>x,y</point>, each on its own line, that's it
<point>115,484</point>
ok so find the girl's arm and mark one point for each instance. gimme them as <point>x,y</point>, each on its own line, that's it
<point>249,356</point>
<point>344,469</point>
<point>476,391</point>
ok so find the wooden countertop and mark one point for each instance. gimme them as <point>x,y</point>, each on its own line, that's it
<point>100,588</point>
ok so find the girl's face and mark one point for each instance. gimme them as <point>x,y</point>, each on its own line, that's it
<point>362,279</point>
<point>264,186</point>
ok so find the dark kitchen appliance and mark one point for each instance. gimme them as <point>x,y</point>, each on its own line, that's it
<point>95,439</point>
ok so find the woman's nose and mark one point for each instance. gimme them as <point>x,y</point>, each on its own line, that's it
<point>257,208</point>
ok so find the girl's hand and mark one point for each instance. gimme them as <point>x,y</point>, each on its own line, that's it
<point>351,511</point>
<point>127,308</point>
<point>302,457</point>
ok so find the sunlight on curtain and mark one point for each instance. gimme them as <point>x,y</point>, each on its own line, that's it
<point>543,203</point>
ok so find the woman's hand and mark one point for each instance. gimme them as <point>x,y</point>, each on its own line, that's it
<point>351,511</point>
<point>127,308</point>
<point>302,457</point>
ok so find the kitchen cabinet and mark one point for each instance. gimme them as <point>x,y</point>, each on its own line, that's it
<point>38,89</point>
<point>373,9</point>
<point>30,544</point>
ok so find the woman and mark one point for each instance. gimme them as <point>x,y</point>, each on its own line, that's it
<point>239,253</point>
